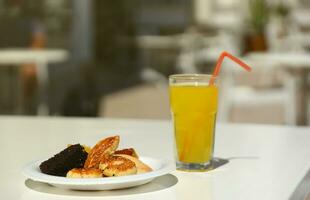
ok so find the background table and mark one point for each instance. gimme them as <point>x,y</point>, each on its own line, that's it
<point>266,162</point>
<point>41,59</point>
<point>298,65</point>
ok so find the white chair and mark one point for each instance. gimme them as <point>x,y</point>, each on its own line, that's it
<point>261,93</point>
<point>197,48</point>
<point>292,34</point>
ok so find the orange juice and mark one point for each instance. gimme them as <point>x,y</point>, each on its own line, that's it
<point>194,110</point>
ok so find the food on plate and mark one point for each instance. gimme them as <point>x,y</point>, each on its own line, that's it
<point>100,151</point>
<point>73,156</point>
<point>103,160</point>
<point>86,148</point>
<point>129,151</point>
<point>141,167</point>
<point>117,166</point>
<point>84,173</point>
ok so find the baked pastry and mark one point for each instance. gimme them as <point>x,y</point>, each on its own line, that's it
<point>117,166</point>
<point>84,173</point>
<point>141,167</point>
<point>77,161</point>
<point>73,156</point>
<point>100,151</point>
<point>129,151</point>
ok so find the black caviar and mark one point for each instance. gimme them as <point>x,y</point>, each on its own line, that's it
<point>72,157</point>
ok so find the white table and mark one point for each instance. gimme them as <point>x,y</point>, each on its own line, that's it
<point>301,16</point>
<point>266,162</point>
<point>41,59</point>
<point>298,65</point>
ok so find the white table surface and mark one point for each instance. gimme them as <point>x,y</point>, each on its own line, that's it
<point>26,55</point>
<point>268,162</point>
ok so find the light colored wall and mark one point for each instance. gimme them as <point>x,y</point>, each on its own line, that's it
<point>82,44</point>
<point>205,9</point>
<point>202,11</point>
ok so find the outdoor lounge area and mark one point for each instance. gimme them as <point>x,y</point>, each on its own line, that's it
<point>165,99</point>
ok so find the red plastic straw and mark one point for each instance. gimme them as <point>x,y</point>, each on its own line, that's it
<point>219,65</point>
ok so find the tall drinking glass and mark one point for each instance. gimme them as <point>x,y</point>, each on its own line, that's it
<point>193,105</point>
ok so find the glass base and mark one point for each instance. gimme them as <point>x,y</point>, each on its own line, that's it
<point>201,167</point>
<point>194,167</point>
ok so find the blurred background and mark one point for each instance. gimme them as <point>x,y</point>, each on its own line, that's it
<point>101,58</point>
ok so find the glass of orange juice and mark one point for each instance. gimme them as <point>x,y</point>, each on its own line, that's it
<point>193,105</point>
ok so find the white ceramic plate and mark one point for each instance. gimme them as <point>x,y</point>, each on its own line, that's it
<point>160,167</point>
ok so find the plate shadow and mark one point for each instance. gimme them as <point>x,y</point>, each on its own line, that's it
<point>159,183</point>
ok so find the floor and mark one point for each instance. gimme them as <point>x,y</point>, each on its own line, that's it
<point>152,102</point>
<point>144,101</point>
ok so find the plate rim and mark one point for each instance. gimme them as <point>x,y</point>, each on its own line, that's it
<point>30,171</point>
